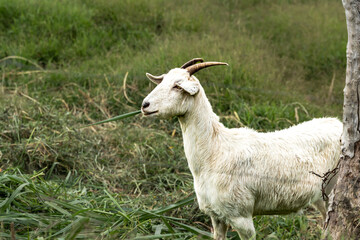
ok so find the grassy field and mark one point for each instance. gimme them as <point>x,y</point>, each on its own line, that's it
<point>65,64</point>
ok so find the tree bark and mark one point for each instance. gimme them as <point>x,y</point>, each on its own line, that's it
<point>343,220</point>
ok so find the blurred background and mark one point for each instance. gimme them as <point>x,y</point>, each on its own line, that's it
<point>65,64</point>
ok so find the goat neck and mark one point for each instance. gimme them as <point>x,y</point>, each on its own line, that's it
<point>200,127</point>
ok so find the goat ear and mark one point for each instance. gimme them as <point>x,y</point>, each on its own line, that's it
<point>155,79</point>
<point>190,87</point>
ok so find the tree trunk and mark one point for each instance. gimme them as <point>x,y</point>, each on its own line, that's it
<point>343,220</point>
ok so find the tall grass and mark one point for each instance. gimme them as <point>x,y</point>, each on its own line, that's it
<point>78,62</point>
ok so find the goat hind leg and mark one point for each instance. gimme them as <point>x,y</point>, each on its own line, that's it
<point>321,206</point>
<point>220,229</point>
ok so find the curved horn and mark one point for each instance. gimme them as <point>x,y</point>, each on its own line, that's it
<point>194,68</point>
<point>155,79</point>
<point>191,62</point>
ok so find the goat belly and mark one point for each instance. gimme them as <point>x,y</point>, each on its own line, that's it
<point>253,198</point>
<point>285,198</point>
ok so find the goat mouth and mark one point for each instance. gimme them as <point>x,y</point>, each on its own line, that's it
<point>150,113</point>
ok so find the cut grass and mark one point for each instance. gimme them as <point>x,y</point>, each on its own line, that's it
<point>122,116</point>
<point>68,209</point>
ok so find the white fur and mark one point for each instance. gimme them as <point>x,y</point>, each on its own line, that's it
<point>239,173</point>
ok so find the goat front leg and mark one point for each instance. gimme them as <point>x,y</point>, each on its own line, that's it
<point>245,227</point>
<point>220,229</point>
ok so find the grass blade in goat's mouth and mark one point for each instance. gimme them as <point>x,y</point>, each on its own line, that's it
<point>122,116</point>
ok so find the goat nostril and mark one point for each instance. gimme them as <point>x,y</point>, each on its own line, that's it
<point>145,104</point>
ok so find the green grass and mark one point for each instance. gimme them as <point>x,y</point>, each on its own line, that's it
<point>70,208</point>
<point>79,62</point>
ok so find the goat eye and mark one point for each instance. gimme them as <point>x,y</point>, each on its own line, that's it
<point>177,87</point>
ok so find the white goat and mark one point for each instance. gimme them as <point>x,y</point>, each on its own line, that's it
<point>239,173</point>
